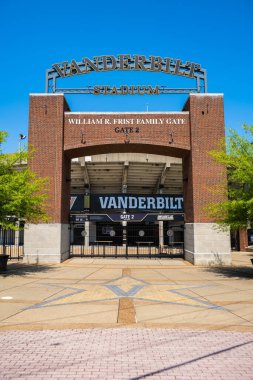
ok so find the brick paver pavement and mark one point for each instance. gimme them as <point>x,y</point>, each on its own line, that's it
<point>126,353</point>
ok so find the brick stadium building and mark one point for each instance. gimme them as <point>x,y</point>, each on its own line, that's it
<point>157,143</point>
<point>128,184</point>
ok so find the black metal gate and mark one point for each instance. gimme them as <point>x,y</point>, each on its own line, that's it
<point>12,243</point>
<point>111,239</point>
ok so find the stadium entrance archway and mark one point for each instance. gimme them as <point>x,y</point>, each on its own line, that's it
<point>119,206</point>
<point>57,135</point>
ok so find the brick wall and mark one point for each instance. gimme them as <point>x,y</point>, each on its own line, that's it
<point>243,238</point>
<point>201,172</point>
<point>90,139</point>
<point>46,138</point>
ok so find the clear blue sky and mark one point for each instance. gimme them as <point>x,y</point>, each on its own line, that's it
<point>34,35</point>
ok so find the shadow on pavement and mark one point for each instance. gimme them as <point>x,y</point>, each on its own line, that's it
<point>20,269</point>
<point>182,364</point>
<point>232,272</point>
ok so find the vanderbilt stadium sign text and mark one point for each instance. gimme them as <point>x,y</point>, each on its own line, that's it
<point>137,202</point>
<point>114,202</point>
<point>127,62</point>
<point>124,62</point>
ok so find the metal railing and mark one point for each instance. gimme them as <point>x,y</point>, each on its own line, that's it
<point>127,251</point>
<point>12,243</point>
<point>13,251</point>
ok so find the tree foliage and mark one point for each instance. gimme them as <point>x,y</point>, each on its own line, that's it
<point>237,156</point>
<point>22,193</point>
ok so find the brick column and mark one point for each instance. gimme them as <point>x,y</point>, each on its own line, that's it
<point>243,237</point>
<point>204,242</point>
<point>49,242</point>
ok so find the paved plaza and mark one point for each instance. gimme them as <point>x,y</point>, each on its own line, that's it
<point>126,353</point>
<point>127,319</point>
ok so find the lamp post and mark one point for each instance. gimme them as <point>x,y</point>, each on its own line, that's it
<point>21,137</point>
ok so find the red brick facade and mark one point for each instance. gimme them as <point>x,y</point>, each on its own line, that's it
<point>56,140</point>
<point>201,173</point>
<point>243,241</point>
<point>46,138</point>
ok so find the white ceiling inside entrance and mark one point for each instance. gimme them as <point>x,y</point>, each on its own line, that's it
<point>135,173</point>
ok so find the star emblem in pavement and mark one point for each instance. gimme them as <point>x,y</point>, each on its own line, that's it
<point>127,287</point>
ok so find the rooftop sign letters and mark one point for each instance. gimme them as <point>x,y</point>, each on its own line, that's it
<point>126,62</point>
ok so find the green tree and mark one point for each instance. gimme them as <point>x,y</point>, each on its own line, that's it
<point>236,155</point>
<point>22,193</point>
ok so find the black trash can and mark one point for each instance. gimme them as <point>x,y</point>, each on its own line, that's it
<point>3,262</point>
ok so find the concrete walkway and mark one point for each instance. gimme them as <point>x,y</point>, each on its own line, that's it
<point>94,292</point>
<point>127,319</point>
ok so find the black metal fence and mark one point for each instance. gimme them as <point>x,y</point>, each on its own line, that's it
<point>141,250</point>
<point>12,243</point>
<point>137,240</point>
